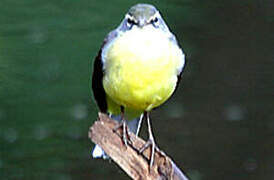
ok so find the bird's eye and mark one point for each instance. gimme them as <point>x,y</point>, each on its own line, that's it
<point>155,22</point>
<point>130,22</point>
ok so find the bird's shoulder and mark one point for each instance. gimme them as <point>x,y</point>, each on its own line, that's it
<point>109,37</point>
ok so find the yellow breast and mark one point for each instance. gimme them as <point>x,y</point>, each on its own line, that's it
<point>141,68</point>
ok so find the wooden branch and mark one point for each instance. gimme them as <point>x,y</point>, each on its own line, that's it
<point>134,164</point>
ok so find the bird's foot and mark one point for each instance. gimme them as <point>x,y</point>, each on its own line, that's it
<point>125,135</point>
<point>154,148</point>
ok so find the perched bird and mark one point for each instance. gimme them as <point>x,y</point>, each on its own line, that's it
<point>137,69</point>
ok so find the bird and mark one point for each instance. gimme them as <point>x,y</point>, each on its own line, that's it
<point>137,69</point>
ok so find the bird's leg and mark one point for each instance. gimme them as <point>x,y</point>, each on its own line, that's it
<point>123,125</point>
<point>139,124</point>
<point>150,142</point>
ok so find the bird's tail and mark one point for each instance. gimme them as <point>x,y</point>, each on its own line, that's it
<point>134,126</point>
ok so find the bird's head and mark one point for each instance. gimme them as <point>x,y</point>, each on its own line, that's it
<point>143,15</point>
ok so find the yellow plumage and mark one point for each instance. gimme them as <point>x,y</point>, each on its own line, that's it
<point>141,68</point>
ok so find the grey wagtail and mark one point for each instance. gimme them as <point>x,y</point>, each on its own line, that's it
<point>137,69</point>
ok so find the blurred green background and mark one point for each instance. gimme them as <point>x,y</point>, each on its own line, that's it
<point>218,125</point>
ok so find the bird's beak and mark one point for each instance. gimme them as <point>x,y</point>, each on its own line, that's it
<point>142,23</point>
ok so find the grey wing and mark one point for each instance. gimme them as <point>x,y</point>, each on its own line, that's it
<point>98,74</point>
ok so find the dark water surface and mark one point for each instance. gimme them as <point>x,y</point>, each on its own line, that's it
<point>218,125</point>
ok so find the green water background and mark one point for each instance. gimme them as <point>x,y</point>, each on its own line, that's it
<point>218,125</point>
